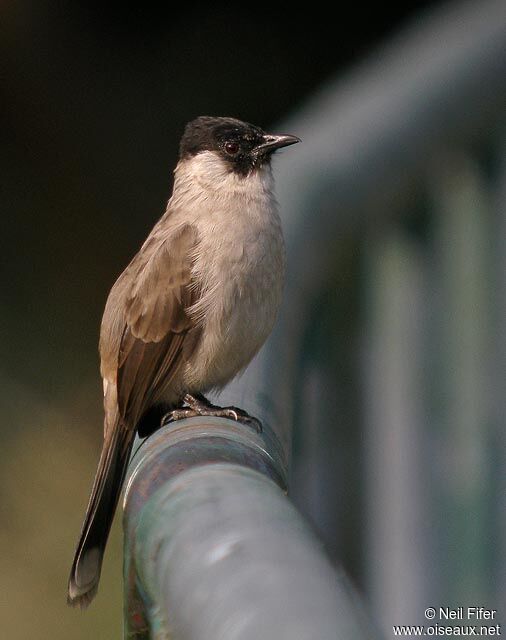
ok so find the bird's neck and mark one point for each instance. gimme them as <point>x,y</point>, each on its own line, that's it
<point>207,174</point>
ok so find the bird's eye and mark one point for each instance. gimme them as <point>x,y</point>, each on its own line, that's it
<point>231,148</point>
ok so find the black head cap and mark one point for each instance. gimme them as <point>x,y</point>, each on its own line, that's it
<point>243,146</point>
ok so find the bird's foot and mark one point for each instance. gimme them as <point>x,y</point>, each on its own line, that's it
<point>198,405</point>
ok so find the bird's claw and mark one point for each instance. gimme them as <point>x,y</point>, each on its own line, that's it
<point>200,406</point>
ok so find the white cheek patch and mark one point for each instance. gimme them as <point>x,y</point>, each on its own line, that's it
<point>209,170</point>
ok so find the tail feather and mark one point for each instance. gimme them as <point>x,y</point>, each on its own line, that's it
<point>87,564</point>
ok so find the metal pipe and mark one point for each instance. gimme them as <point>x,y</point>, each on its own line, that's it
<point>214,549</point>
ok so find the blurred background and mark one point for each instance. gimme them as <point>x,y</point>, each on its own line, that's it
<point>408,492</point>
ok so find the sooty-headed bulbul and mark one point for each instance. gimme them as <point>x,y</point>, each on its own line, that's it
<point>190,310</point>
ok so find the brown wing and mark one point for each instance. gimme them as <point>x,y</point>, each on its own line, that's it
<point>154,293</point>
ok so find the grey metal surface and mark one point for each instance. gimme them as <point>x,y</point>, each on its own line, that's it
<point>215,550</point>
<point>398,532</point>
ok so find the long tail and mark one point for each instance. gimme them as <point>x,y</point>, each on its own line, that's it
<point>87,564</point>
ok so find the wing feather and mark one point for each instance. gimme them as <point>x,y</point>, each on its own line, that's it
<point>154,294</point>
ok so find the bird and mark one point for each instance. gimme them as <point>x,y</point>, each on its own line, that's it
<point>191,309</point>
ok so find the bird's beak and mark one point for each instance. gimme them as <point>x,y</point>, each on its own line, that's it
<point>271,143</point>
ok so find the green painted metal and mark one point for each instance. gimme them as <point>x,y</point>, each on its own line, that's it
<point>214,549</point>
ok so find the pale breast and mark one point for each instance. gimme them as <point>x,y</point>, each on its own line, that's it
<point>240,266</point>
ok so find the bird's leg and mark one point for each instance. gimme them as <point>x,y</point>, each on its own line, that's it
<point>178,414</point>
<point>200,406</point>
<point>199,403</point>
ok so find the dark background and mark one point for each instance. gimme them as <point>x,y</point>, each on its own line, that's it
<point>93,101</point>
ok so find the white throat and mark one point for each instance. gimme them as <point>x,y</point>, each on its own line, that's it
<point>209,172</point>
